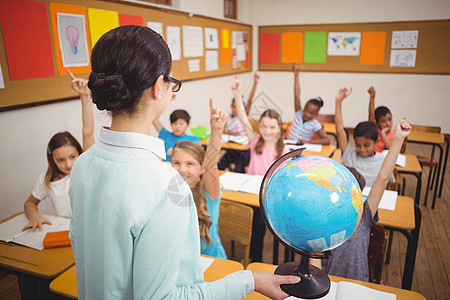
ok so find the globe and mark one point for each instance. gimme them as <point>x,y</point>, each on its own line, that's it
<point>311,204</point>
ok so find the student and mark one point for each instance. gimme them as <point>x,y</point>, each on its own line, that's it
<point>350,259</point>
<point>62,150</point>
<point>264,150</point>
<point>134,227</point>
<point>199,170</point>
<point>240,159</point>
<point>363,157</point>
<point>382,117</point>
<point>179,121</point>
<point>304,125</point>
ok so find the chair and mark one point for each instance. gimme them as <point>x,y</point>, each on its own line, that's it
<point>337,155</point>
<point>428,161</point>
<point>235,224</point>
<point>255,125</point>
<point>376,252</point>
<point>286,127</point>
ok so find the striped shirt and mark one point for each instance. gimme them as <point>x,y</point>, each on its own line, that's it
<point>303,130</point>
<point>234,125</point>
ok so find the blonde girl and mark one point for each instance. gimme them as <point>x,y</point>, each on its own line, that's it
<point>199,169</point>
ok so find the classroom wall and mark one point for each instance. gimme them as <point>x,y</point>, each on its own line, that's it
<point>24,133</point>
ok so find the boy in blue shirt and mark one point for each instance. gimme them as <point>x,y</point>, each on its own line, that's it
<point>179,121</point>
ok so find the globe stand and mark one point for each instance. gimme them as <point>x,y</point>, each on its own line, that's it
<point>314,284</point>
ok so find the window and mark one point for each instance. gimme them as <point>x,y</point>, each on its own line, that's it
<point>230,9</point>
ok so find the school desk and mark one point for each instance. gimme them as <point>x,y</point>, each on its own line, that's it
<point>400,293</point>
<point>39,266</point>
<point>406,219</point>
<point>413,167</point>
<point>229,145</point>
<point>66,284</point>
<point>437,139</point>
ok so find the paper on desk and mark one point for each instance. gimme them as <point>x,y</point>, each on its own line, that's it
<point>309,147</point>
<point>401,159</point>
<point>240,139</point>
<point>388,200</point>
<point>206,262</point>
<point>345,290</point>
<point>239,182</point>
<point>11,231</point>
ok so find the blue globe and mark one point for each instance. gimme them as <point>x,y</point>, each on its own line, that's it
<point>312,203</point>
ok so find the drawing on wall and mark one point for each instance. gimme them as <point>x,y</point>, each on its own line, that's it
<point>173,40</point>
<point>211,38</point>
<point>344,43</point>
<point>405,39</point>
<point>403,58</point>
<point>72,40</point>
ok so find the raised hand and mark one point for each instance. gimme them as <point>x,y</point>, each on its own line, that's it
<point>79,85</point>
<point>236,87</point>
<point>218,117</point>
<point>256,77</point>
<point>403,129</point>
<point>371,91</point>
<point>295,69</point>
<point>343,93</point>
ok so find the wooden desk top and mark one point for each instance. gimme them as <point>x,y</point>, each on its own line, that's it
<point>229,145</point>
<point>412,165</point>
<point>426,137</point>
<point>402,217</point>
<point>46,264</point>
<point>401,294</point>
<point>329,127</point>
<point>66,284</point>
<point>327,150</point>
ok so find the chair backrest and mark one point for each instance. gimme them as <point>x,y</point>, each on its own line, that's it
<point>434,129</point>
<point>376,251</point>
<point>255,125</point>
<point>235,223</point>
<point>325,118</point>
<point>337,155</point>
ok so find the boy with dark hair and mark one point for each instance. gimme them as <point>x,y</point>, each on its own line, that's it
<point>363,157</point>
<point>179,121</point>
<point>382,117</point>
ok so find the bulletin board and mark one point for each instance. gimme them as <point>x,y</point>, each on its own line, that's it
<point>35,75</point>
<point>417,47</point>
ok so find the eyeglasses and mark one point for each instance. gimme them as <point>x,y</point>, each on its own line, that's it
<point>176,84</point>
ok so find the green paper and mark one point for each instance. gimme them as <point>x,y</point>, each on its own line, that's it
<point>315,47</point>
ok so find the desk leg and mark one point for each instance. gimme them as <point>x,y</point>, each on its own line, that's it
<point>437,176</point>
<point>444,167</point>
<point>418,187</point>
<point>411,250</point>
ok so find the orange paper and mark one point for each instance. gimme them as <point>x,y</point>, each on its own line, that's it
<point>292,47</point>
<point>67,9</point>
<point>373,46</point>
<point>126,19</point>
<point>225,56</point>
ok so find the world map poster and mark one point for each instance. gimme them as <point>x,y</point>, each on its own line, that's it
<point>344,43</point>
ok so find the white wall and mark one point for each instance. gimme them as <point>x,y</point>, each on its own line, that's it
<point>24,133</point>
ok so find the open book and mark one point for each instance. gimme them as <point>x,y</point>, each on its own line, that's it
<point>239,182</point>
<point>240,139</point>
<point>345,290</point>
<point>11,230</point>
<point>388,200</point>
<point>292,145</point>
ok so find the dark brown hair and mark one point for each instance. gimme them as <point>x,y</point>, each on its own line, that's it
<point>272,114</point>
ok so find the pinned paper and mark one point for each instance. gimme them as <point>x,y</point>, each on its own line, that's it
<point>240,52</point>
<point>373,46</point>
<point>100,22</point>
<point>315,47</point>
<point>403,58</point>
<point>126,19</point>
<point>225,38</point>
<point>173,40</point>
<point>211,60</point>
<point>269,48</point>
<point>63,16</point>
<point>405,39</point>
<point>194,65</point>
<point>192,41</point>
<point>344,43</point>
<point>26,39</point>
<point>292,47</point>
<point>2,82</point>
<point>225,56</point>
<point>211,38</point>
<point>156,26</point>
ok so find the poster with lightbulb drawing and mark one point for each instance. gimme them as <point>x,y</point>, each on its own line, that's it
<point>72,40</point>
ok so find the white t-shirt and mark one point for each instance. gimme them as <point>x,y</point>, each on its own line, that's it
<point>369,167</point>
<point>58,193</point>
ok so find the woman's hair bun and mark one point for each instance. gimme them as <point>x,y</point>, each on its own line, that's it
<point>109,92</point>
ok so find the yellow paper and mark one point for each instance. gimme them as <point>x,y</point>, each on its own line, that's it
<point>100,22</point>
<point>226,38</point>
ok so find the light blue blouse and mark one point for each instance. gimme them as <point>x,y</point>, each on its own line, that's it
<point>134,227</point>
<point>214,247</point>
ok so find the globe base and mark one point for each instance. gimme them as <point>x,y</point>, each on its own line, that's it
<point>314,284</point>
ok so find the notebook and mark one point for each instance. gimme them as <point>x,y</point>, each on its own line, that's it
<point>388,200</point>
<point>239,182</point>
